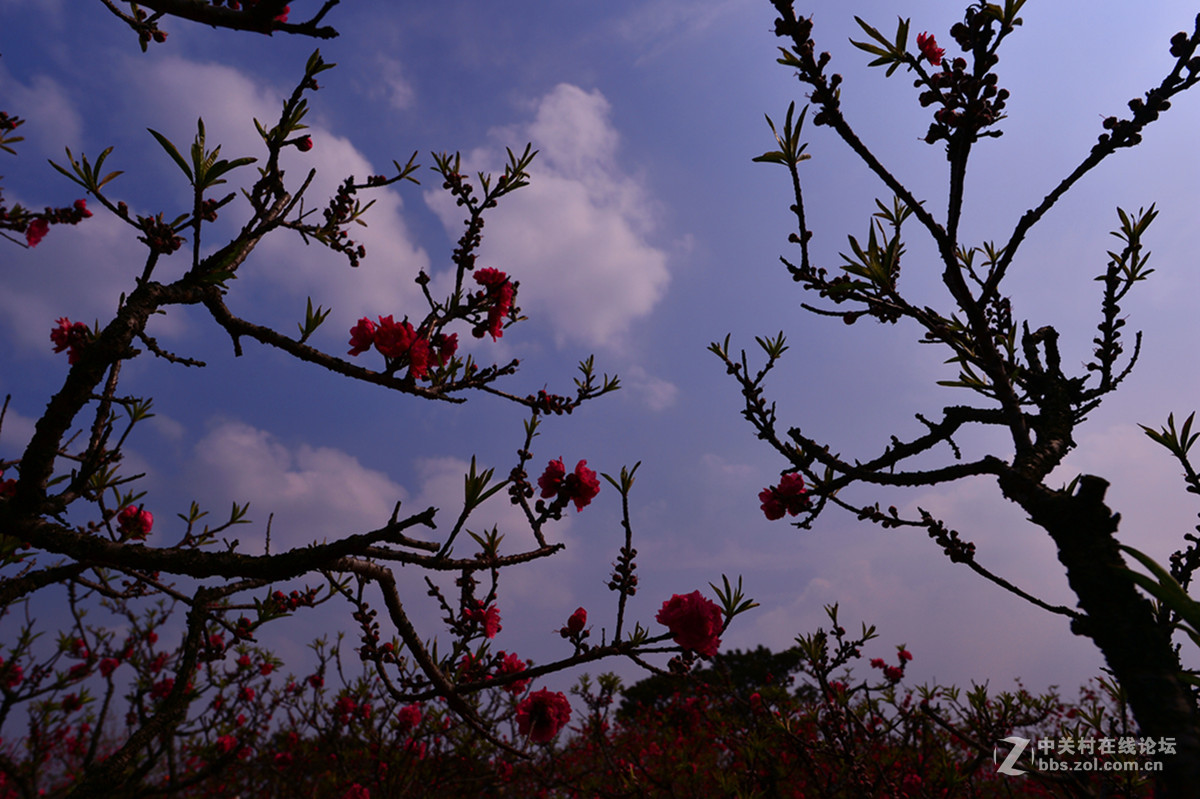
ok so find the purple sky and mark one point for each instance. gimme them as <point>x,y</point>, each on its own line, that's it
<point>646,233</point>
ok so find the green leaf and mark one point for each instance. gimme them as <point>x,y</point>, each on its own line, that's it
<point>173,152</point>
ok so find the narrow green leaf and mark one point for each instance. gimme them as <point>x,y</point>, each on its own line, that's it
<point>173,152</point>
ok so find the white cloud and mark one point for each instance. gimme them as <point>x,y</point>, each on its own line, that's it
<point>316,493</point>
<point>661,25</point>
<point>390,83</point>
<point>576,237</point>
<point>656,393</point>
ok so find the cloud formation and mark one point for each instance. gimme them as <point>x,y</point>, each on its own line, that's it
<point>577,237</point>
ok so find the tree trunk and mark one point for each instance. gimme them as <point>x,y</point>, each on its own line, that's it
<point>1121,621</point>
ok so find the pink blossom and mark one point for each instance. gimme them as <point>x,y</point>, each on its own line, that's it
<point>305,144</point>
<point>929,49</point>
<point>511,664</point>
<point>409,716</point>
<point>577,621</point>
<point>694,622</point>
<point>36,231</point>
<point>362,336</point>
<point>70,336</point>
<point>580,487</point>
<point>489,617</point>
<point>499,294</point>
<point>542,714</point>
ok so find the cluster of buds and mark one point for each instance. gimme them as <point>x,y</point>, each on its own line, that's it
<point>343,208</point>
<point>623,578</point>
<point>968,103</point>
<point>544,402</point>
<point>958,550</point>
<point>159,236</point>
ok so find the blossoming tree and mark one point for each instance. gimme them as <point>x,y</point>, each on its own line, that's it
<point>1015,373</point>
<point>75,527</point>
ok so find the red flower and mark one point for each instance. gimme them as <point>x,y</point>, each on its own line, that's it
<point>36,231</point>
<point>226,744</point>
<point>581,486</point>
<point>392,339</point>
<point>135,522</point>
<point>356,791</point>
<point>69,336</point>
<point>499,294</point>
<point>305,144</point>
<point>283,18</point>
<point>576,623</point>
<point>694,622</point>
<point>409,716</point>
<point>396,340</point>
<point>445,347</point>
<point>81,207</point>
<point>551,480</point>
<point>511,664</point>
<point>542,714</point>
<point>787,497</point>
<point>108,666</point>
<point>362,336</point>
<point>929,49</point>
<point>905,654</point>
<point>489,617</point>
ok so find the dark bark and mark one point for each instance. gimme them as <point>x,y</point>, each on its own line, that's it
<point>1121,621</point>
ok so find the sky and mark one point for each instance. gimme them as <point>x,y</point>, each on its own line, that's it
<point>646,233</point>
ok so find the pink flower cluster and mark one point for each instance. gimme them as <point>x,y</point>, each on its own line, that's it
<point>398,340</point>
<point>893,674</point>
<point>580,487</point>
<point>788,497</point>
<point>498,293</point>
<point>70,336</point>
<point>694,622</point>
